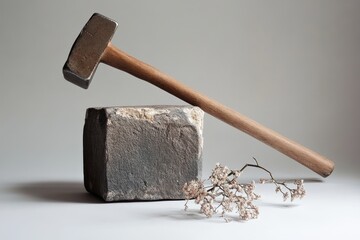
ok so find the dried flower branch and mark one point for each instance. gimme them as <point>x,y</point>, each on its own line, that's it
<point>230,194</point>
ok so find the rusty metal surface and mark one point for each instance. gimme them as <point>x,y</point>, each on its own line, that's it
<point>87,49</point>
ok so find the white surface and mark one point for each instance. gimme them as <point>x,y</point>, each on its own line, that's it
<point>58,209</point>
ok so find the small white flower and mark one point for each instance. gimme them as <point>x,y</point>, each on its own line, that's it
<point>219,175</point>
<point>207,209</point>
<point>193,189</point>
<point>237,173</point>
<point>253,183</point>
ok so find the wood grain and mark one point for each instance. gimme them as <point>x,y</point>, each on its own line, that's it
<point>314,161</point>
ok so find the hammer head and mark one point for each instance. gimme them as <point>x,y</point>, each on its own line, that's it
<point>86,52</point>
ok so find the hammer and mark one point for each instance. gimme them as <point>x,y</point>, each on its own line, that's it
<point>93,46</point>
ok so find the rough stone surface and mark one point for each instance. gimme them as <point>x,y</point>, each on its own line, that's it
<point>142,153</point>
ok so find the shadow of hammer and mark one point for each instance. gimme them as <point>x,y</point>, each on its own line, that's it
<point>93,46</point>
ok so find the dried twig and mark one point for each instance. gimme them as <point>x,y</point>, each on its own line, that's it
<point>232,194</point>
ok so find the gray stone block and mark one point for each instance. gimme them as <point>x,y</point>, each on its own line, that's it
<point>142,153</point>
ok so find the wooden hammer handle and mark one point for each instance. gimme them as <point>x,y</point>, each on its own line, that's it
<point>118,59</point>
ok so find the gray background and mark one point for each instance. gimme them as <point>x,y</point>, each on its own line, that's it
<point>293,66</point>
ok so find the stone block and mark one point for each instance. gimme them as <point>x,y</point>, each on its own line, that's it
<point>142,153</point>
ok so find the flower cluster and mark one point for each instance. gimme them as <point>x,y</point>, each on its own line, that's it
<point>219,175</point>
<point>228,194</point>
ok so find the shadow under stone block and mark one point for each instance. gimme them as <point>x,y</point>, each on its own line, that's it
<point>142,153</point>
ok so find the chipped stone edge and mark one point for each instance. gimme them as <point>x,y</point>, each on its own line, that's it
<point>140,113</point>
<point>196,117</point>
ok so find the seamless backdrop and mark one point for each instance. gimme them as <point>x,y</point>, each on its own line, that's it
<point>291,66</point>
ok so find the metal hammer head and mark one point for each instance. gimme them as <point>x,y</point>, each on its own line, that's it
<point>87,50</point>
